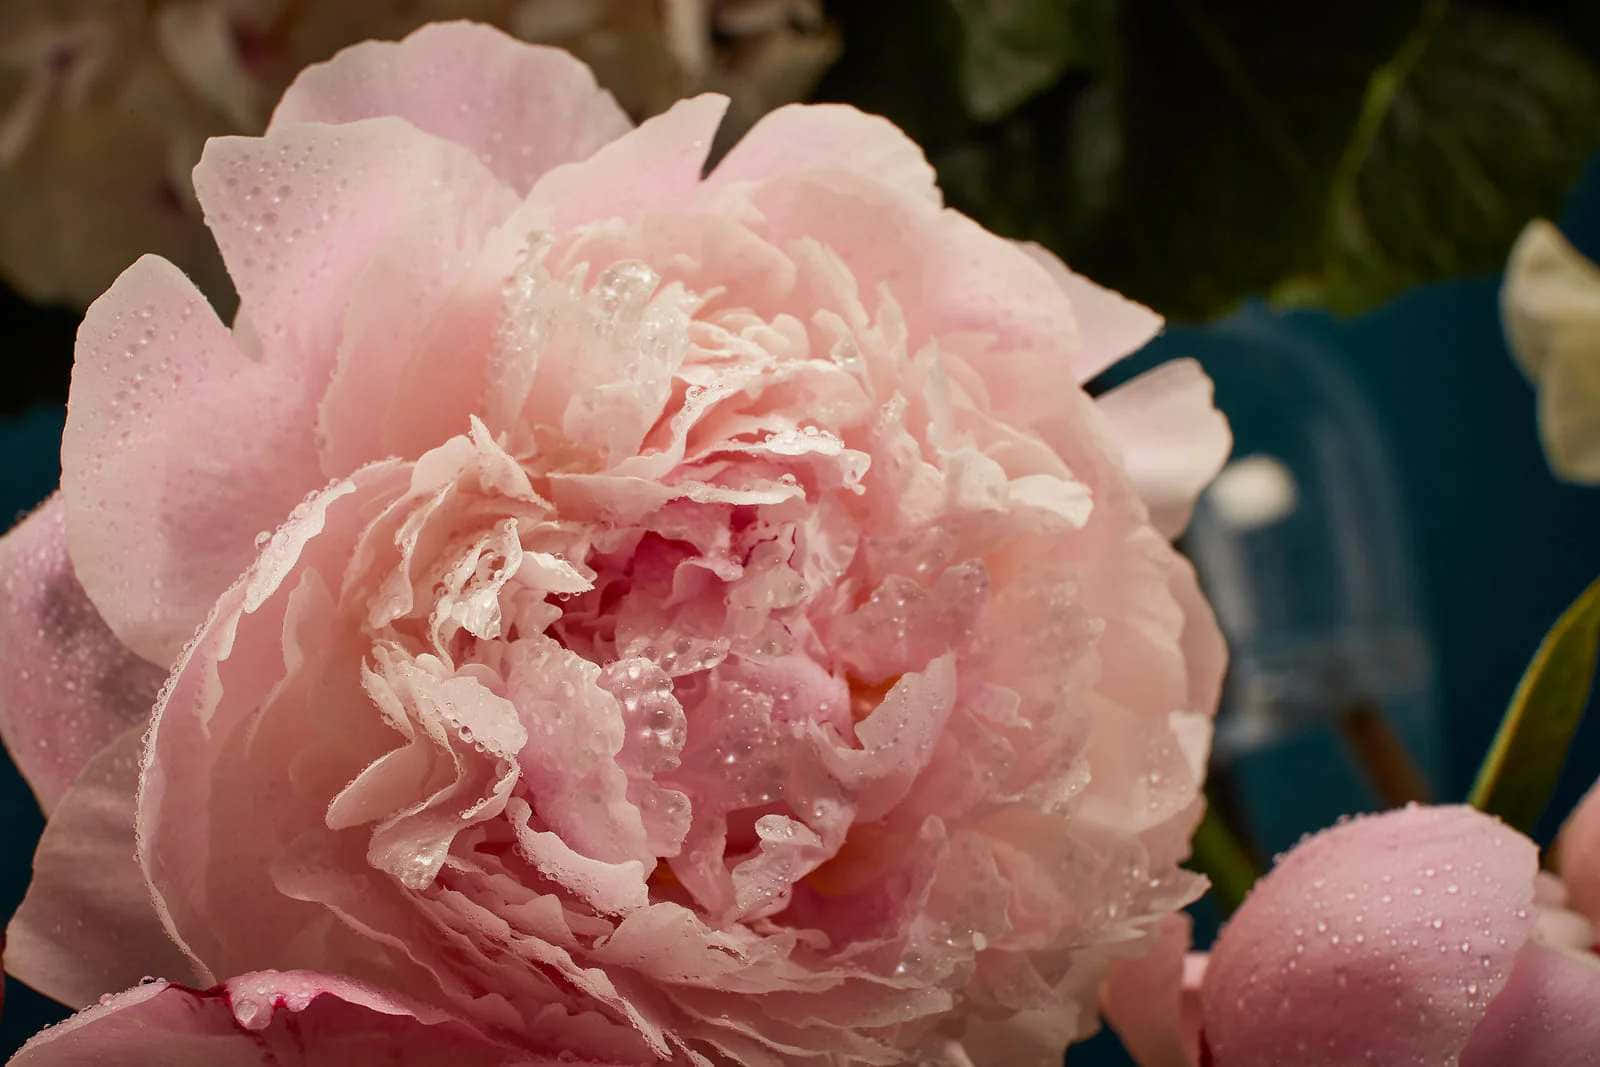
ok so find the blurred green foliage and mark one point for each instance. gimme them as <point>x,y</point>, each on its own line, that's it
<point>1193,154</point>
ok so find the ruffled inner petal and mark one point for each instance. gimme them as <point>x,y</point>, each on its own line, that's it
<point>819,661</point>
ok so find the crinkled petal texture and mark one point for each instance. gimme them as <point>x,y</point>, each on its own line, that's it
<point>282,1019</point>
<point>69,687</point>
<point>759,651</point>
<point>1385,940</point>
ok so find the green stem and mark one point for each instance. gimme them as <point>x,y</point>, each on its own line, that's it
<point>1379,98</point>
<point>1221,856</point>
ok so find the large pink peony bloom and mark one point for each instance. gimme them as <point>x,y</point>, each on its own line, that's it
<point>719,628</point>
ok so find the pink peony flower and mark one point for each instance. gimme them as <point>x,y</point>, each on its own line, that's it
<point>719,629</point>
<point>1424,935</point>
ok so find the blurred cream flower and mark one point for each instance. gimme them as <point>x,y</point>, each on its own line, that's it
<point>1550,306</point>
<point>105,104</point>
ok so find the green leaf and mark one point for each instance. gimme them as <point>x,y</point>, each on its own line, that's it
<point>1012,49</point>
<point>1232,120</point>
<point>1520,771</point>
<point>1193,155</point>
<point>1221,856</point>
<point>1478,122</point>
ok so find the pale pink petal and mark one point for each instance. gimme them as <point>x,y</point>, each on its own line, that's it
<point>1173,440</point>
<point>897,739</point>
<point>88,925</point>
<point>1545,1016</point>
<point>1151,1002</point>
<point>1205,652</point>
<point>278,1018</point>
<point>71,686</point>
<point>1578,855</point>
<point>259,667</point>
<point>828,137</point>
<point>178,450</point>
<point>654,167</point>
<point>520,108</point>
<point>1381,940</point>
<point>572,772</point>
<point>301,213</point>
<point>1110,325</point>
<point>412,367</point>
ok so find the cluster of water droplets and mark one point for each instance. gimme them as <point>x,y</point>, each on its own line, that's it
<point>1439,937</point>
<point>268,206</point>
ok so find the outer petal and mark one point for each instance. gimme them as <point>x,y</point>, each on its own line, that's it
<point>281,1018</point>
<point>1578,855</point>
<point>531,107</point>
<point>655,166</point>
<point>1153,1002</point>
<point>1545,1016</point>
<point>829,137</point>
<point>70,686</point>
<point>88,925</point>
<point>202,878</point>
<point>178,449</point>
<point>301,213</point>
<point>1173,440</point>
<point>1381,940</point>
<point>1110,325</point>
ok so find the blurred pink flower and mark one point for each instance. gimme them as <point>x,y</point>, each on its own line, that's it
<point>1577,851</point>
<point>711,620</point>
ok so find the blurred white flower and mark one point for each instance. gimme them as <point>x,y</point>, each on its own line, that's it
<point>105,104</point>
<point>1550,306</point>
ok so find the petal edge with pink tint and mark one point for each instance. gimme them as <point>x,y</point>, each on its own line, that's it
<point>1384,939</point>
<point>1578,855</point>
<point>533,107</point>
<point>196,873</point>
<point>88,925</point>
<point>1173,440</point>
<point>802,137</point>
<point>653,167</point>
<point>1153,1001</point>
<point>164,489</point>
<point>72,686</point>
<point>281,1018</point>
<point>1545,1016</point>
<point>1110,325</point>
<point>300,213</point>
